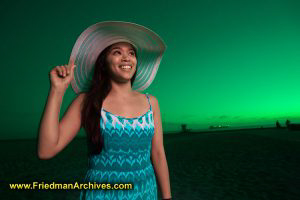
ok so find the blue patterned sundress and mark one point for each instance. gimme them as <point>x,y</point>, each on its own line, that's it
<point>125,158</point>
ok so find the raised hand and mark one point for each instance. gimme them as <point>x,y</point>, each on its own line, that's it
<point>61,76</point>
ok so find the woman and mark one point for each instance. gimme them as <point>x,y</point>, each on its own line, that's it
<point>123,126</point>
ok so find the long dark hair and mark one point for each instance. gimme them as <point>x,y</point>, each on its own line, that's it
<point>92,103</point>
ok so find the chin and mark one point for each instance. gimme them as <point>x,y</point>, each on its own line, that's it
<point>126,79</point>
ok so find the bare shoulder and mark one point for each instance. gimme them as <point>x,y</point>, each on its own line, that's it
<point>154,103</point>
<point>153,100</point>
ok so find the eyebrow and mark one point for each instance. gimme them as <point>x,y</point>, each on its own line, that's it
<point>120,48</point>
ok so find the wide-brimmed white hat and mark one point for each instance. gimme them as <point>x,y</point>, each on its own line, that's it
<point>91,42</point>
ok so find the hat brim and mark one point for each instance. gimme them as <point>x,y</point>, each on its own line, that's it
<point>150,48</point>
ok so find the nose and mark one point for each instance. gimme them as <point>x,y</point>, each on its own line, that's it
<point>125,56</point>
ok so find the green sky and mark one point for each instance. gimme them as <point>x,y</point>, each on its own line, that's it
<point>227,62</point>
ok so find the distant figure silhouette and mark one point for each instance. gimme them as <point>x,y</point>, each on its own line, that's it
<point>278,124</point>
<point>184,128</point>
<point>287,123</point>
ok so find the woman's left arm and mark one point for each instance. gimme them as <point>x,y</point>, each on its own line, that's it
<point>158,155</point>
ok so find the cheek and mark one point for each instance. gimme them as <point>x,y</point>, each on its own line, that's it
<point>134,61</point>
<point>113,61</point>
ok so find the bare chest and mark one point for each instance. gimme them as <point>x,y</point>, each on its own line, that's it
<point>128,108</point>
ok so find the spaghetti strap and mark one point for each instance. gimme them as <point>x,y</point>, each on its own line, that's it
<point>147,95</point>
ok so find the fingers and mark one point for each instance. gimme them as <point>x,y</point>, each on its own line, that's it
<point>59,70</point>
<point>70,68</point>
<point>71,63</point>
<point>62,71</point>
<point>73,67</point>
<point>65,70</point>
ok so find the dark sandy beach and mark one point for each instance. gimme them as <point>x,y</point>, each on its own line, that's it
<point>241,165</point>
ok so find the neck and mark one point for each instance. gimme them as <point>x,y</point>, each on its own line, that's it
<point>122,90</point>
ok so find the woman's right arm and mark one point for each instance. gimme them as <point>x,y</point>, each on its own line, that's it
<point>55,135</point>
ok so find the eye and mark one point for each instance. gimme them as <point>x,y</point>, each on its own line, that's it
<point>132,53</point>
<point>116,52</point>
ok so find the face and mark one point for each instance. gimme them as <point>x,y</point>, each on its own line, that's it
<point>121,61</point>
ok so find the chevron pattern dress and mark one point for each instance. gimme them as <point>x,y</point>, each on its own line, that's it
<point>125,158</point>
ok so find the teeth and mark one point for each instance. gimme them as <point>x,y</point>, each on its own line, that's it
<point>126,67</point>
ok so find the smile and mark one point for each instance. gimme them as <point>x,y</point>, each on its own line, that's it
<point>126,67</point>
